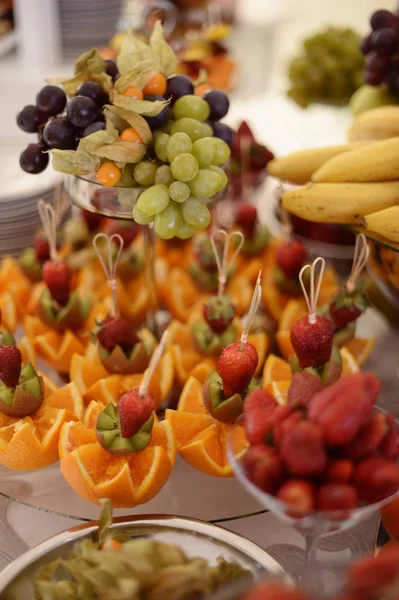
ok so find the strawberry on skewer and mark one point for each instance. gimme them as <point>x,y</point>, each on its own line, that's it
<point>290,256</point>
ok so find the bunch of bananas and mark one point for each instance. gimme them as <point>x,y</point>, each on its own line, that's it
<point>355,183</point>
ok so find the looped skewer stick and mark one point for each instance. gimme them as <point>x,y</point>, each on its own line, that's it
<point>61,203</point>
<point>222,260</point>
<point>49,224</point>
<point>110,268</point>
<point>256,297</point>
<point>360,258</point>
<point>312,298</point>
<point>156,357</point>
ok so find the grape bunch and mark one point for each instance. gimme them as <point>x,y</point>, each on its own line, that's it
<point>381,50</point>
<point>329,70</point>
<point>60,123</point>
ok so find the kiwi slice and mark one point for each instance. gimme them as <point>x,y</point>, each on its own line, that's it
<point>109,434</point>
<point>27,372</point>
<point>221,408</point>
<point>25,399</point>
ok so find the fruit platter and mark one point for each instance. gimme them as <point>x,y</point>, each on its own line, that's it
<point>164,349</point>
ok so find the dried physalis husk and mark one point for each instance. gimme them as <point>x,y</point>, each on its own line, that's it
<point>162,51</point>
<point>141,107</point>
<point>88,67</point>
<point>121,152</point>
<point>137,76</point>
<point>96,140</point>
<point>74,162</point>
<point>122,119</point>
<point>131,53</point>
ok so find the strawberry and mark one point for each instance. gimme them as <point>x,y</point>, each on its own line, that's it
<point>10,365</point>
<point>262,413</point>
<point>371,575</point>
<point>93,220</point>
<point>339,471</point>
<point>302,450</point>
<point>246,218</point>
<point>368,439</point>
<point>336,496</point>
<point>299,494</point>
<point>346,307</point>
<point>343,408</point>
<point>57,276</point>
<point>286,425</point>
<point>303,387</point>
<point>376,479</point>
<point>264,468</point>
<point>218,312</point>
<point>390,444</point>
<point>272,590</point>
<point>312,342</point>
<point>115,331</point>
<point>290,257</point>
<point>236,367</point>
<point>134,410</point>
<point>128,230</point>
<point>42,249</point>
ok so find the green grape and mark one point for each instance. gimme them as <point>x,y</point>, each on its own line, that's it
<point>179,191</point>
<point>192,127</point>
<point>144,172</point>
<point>127,179</point>
<point>153,200</point>
<point>178,144</point>
<point>208,131</point>
<point>222,152</point>
<point>140,217</point>
<point>221,174</point>
<point>195,213</point>
<point>160,145</point>
<point>168,222</point>
<point>185,231</point>
<point>184,167</point>
<point>164,175</point>
<point>204,151</point>
<point>192,107</point>
<point>205,184</point>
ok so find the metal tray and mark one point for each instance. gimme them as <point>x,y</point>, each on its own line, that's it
<point>196,538</point>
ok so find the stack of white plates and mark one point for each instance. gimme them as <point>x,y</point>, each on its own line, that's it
<point>19,195</point>
<point>85,24</point>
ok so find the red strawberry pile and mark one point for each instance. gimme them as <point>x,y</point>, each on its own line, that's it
<point>324,451</point>
<point>369,578</point>
<point>248,158</point>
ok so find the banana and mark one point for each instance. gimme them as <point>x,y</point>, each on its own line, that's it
<point>341,202</point>
<point>377,161</point>
<point>385,222</point>
<point>375,124</point>
<point>298,167</point>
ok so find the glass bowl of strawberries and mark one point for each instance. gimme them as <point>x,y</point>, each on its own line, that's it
<point>323,461</point>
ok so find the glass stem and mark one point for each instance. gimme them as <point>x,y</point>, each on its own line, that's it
<point>149,266</point>
<point>312,576</point>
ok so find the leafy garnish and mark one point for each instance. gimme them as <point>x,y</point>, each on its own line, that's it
<point>123,118</point>
<point>89,66</point>
<point>74,162</point>
<point>162,51</point>
<point>141,107</point>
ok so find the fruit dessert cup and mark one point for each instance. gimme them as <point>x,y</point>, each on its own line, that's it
<point>119,450</point>
<point>322,463</point>
<point>32,412</point>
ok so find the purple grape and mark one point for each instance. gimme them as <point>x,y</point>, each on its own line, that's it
<point>30,118</point>
<point>218,103</point>
<point>81,111</point>
<point>373,77</point>
<point>159,120</point>
<point>366,44</point>
<point>59,133</point>
<point>33,160</point>
<point>178,86</point>
<point>93,127</point>
<point>51,100</point>
<point>385,41</point>
<point>111,69</point>
<point>377,62</point>
<point>93,90</point>
<point>224,132</point>
<point>382,18</point>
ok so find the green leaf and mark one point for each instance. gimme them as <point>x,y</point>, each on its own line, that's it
<point>123,118</point>
<point>89,66</point>
<point>121,152</point>
<point>162,51</point>
<point>132,51</point>
<point>74,162</point>
<point>105,520</point>
<point>137,76</point>
<point>142,107</point>
<point>97,139</point>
